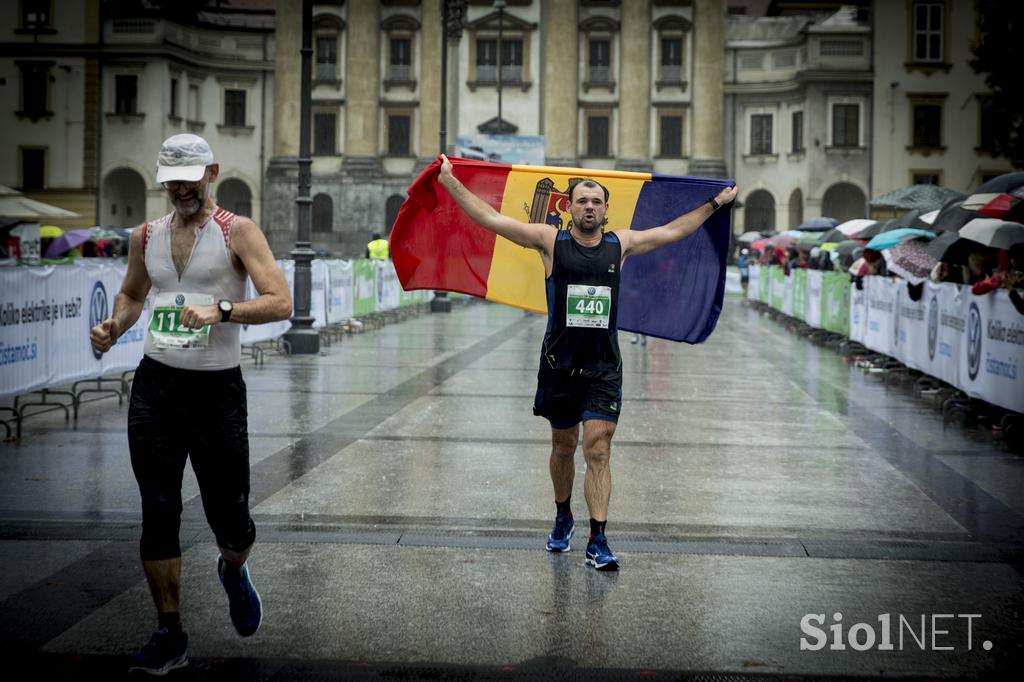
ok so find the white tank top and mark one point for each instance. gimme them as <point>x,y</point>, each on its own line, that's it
<point>208,271</point>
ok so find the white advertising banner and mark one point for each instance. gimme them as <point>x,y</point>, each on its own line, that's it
<point>787,296</point>
<point>993,352</point>
<point>45,317</point>
<point>814,280</point>
<point>858,313</point>
<point>387,286</point>
<point>318,293</point>
<point>340,283</point>
<point>911,335</point>
<point>881,306</point>
<point>754,285</point>
<point>254,333</point>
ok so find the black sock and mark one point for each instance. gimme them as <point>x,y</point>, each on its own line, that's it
<point>563,507</point>
<point>597,527</point>
<point>170,620</point>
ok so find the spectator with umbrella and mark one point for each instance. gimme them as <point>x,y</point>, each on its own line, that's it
<point>991,233</point>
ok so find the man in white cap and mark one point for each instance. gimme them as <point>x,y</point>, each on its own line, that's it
<point>188,398</point>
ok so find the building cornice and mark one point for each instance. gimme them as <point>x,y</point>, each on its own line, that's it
<point>132,52</point>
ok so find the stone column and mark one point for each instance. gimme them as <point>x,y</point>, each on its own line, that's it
<point>430,81</point>
<point>560,48</point>
<point>634,87</point>
<point>287,73</point>
<point>708,73</point>
<point>362,88</point>
<point>281,187</point>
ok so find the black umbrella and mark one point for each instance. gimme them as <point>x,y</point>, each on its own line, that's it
<point>879,227</point>
<point>949,247</point>
<point>906,220</point>
<point>833,235</point>
<point>1003,183</point>
<point>952,217</point>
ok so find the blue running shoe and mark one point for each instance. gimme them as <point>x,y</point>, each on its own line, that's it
<point>600,556</point>
<point>558,540</point>
<point>164,653</point>
<point>243,600</point>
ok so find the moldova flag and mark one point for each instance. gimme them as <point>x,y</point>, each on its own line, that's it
<point>674,292</point>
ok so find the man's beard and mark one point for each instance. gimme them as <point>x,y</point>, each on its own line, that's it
<point>190,204</point>
<point>589,228</point>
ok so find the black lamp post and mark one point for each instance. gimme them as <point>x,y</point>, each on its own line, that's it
<point>451,20</point>
<point>302,338</point>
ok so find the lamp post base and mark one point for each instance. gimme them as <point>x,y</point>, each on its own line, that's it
<point>441,303</point>
<point>302,339</point>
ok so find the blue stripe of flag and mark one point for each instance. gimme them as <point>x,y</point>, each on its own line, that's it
<point>676,292</point>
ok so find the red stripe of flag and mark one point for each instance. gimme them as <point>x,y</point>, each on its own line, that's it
<point>430,222</point>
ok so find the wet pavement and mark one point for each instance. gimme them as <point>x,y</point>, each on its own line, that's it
<point>401,495</point>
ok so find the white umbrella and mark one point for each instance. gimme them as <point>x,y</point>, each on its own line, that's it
<point>998,234</point>
<point>854,226</point>
<point>14,204</point>
<point>928,217</point>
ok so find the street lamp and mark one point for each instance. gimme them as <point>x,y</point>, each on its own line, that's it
<point>500,6</point>
<point>302,338</point>
<point>451,22</point>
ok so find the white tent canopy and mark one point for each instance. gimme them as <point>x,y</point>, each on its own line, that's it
<point>14,204</point>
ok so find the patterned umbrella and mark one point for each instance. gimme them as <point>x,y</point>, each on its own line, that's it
<point>910,261</point>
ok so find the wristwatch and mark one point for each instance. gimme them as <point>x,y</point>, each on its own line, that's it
<point>714,204</point>
<point>225,306</point>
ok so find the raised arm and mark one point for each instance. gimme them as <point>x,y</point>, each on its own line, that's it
<point>529,235</point>
<point>129,300</point>
<point>638,242</point>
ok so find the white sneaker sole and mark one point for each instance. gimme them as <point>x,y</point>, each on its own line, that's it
<point>174,664</point>
<point>568,547</point>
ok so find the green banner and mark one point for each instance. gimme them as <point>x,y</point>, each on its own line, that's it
<point>778,280</point>
<point>764,284</point>
<point>835,303</point>
<point>799,276</point>
<point>365,299</point>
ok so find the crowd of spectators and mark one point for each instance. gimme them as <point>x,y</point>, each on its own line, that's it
<point>982,268</point>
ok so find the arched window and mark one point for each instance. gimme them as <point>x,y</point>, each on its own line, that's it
<point>394,203</point>
<point>796,207</point>
<point>843,201</point>
<point>234,195</point>
<point>323,213</point>
<point>124,199</point>
<point>759,211</point>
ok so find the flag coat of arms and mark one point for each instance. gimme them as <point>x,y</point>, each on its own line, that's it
<point>674,292</point>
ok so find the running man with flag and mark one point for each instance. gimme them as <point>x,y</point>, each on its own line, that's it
<point>580,376</point>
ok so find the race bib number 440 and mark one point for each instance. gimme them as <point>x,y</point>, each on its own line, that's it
<point>588,306</point>
<point>165,324</point>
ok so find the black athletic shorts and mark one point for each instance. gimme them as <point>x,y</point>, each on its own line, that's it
<point>178,414</point>
<point>565,397</point>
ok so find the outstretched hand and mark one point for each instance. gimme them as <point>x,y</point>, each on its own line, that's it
<point>445,176</point>
<point>726,195</point>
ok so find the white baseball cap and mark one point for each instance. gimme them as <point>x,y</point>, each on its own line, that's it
<point>183,157</point>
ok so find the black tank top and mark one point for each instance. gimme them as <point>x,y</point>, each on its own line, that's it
<point>583,305</point>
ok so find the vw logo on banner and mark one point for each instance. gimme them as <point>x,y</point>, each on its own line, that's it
<point>973,341</point>
<point>933,326</point>
<point>97,310</point>
<point>896,323</point>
